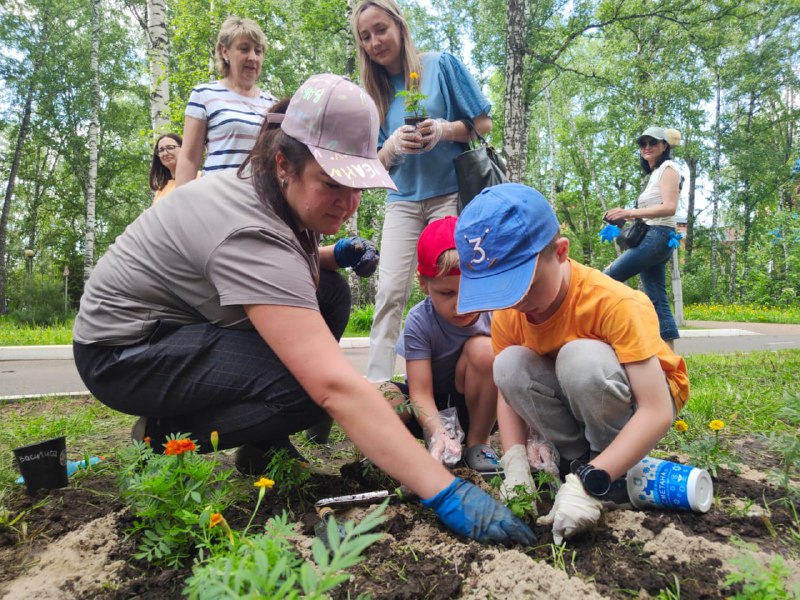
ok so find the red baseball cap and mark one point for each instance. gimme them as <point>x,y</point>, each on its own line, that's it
<point>437,237</point>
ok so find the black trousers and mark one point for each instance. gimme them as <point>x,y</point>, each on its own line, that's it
<point>195,379</point>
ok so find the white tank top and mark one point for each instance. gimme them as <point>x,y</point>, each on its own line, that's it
<point>651,196</point>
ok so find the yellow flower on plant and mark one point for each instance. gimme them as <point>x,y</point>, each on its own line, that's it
<point>214,439</point>
<point>716,425</point>
<point>413,75</point>
<point>681,425</point>
<point>264,482</point>
<point>216,519</point>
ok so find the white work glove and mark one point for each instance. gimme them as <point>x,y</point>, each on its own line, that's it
<point>406,139</point>
<point>434,130</point>
<point>573,510</point>
<point>542,455</point>
<point>442,445</point>
<point>517,471</point>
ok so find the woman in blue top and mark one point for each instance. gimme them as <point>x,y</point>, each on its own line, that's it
<point>420,160</point>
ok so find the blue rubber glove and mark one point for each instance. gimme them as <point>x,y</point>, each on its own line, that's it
<point>471,512</point>
<point>608,233</point>
<point>356,252</point>
<point>674,239</point>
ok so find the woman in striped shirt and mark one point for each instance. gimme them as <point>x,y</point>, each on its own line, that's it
<point>225,116</point>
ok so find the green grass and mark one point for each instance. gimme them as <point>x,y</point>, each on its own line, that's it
<point>744,313</point>
<point>13,333</point>
<point>90,428</point>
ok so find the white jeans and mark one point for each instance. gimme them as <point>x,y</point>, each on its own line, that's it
<point>402,224</point>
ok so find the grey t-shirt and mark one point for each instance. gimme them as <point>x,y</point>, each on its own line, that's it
<point>429,336</point>
<point>197,256</point>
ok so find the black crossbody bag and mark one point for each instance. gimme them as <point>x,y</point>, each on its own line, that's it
<point>477,168</point>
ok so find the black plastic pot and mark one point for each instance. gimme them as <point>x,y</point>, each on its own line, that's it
<point>414,120</point>
<point>43,465</point>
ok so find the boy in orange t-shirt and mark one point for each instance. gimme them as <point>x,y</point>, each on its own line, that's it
<point>579,360</point>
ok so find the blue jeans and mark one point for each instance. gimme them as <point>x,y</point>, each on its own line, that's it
<point>649,260</point>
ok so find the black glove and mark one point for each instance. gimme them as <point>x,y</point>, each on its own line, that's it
<point>356,252</point>
<point>473,513</point>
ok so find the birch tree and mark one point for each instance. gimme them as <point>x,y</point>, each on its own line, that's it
<point>94,127</point>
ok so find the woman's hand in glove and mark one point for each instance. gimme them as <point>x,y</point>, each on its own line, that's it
<point>406,139</point>
<point>356,252</point>
<point>433,131</point>
<point>471,512</point>
<point>573,510</point>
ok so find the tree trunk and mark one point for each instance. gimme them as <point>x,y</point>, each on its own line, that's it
<point>716,191</point>
<point>551,134</point>
<point>94,126</point>
<point>12,178</point>
<point>158,58</point>
<point>677,288</point>
<point>691,162</point>
<point>515,131</point>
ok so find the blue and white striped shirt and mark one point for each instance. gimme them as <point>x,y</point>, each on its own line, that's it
<point>233,122</point>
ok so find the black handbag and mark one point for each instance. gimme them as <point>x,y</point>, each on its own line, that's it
<point>477,168</point>
<point>632,234</point>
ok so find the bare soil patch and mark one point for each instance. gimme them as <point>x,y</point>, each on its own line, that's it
<point>74,546</point>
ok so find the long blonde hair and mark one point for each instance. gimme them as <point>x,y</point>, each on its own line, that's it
<point>374,77</point>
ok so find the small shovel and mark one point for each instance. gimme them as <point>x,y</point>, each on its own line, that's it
<point>325,508</point>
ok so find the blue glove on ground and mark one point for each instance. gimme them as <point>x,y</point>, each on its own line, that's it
<point>473,513</point>
<point>358,253</point>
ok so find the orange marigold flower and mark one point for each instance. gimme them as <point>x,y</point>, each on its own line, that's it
<point>216,519</point>
<point>716,425</point>
<point>681,425</point>
<point>146,440</point>
<point>264,482</point>
<point>178,447</point>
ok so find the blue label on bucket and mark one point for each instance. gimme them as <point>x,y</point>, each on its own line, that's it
<point>666,485</point>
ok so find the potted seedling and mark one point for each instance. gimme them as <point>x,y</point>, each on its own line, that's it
<point>415,110</point>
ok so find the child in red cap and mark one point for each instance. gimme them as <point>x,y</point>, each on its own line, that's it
<point>449,359</point>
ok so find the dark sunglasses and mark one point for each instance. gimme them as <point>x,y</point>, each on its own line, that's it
<point>649,143</point>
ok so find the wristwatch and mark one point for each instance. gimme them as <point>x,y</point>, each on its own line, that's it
<point>596,482</point>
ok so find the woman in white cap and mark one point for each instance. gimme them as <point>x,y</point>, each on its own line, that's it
<point>209,320</point>
<point>656,206</point>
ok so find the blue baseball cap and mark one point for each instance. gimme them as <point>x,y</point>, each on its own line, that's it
<point>498,237</point>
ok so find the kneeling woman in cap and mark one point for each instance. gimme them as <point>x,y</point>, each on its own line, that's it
<point>216,318</point>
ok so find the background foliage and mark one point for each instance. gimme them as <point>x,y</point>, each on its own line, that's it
<point>603,69</point>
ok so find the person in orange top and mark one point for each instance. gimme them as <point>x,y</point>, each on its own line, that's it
<point>579,360</point>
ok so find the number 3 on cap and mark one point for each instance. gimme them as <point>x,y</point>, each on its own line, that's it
<point>476,247</point>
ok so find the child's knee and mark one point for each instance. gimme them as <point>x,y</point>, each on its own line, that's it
<point>479,354</point>
<point>509,364</point>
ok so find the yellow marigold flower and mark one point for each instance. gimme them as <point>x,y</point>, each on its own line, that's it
<point>716,425</point>
<point>264,483</point>
<point>681,425</point>
<point>216,519</point>
<point>214,439</point>
<point>413,75</point>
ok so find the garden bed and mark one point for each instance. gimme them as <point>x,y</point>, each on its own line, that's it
<point>72,543</point>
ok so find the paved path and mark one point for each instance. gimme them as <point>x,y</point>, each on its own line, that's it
<point>49,370</point>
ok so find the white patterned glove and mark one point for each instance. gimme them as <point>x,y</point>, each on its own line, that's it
<point>542,455</point>
<point>573,510</point>
<point>443,447</point>
<point>517,471</point>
